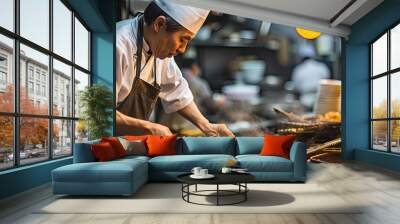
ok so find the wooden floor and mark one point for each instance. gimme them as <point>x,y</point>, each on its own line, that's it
<point>378,188</point>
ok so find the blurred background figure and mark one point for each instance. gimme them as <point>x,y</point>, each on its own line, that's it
<point>307,75</point>
<point>203,96</point>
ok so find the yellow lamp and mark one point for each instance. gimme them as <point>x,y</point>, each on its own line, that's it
<point>308,34</point>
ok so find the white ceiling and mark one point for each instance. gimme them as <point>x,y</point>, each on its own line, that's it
<point>325,16</point>
<point>321,9</point>
<point>311,14</point>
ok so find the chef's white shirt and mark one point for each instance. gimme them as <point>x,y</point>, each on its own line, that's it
<point>307,75</point>
<point>174,94</point>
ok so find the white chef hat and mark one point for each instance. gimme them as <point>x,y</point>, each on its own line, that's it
<point>306,51</point>
<point>189,17</point>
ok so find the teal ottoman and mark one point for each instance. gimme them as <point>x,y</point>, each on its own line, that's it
<point>118,177</point>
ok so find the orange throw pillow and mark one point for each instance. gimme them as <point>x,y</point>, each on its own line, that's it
<point>135,137</point>
<point>116,145</point>
<point>275,145</point>
<point>103,151</point>
<point>161,145</point>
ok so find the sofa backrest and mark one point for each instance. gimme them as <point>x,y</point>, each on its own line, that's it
<point>190,146</point>
<point>83,152</point>
<point>249,145</point>
<point>206,145</point>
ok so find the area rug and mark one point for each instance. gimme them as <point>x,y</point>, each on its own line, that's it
<point>166,198</point>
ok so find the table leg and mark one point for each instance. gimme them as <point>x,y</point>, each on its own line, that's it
<point>182,188</point>
<point>188,190</point>
<point>196,188</point>
<point>245,193</point>
<point>217,194</point>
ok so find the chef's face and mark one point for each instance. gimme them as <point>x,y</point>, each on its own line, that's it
<point>169,44</point>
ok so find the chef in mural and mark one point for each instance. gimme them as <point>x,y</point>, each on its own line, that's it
<point>145,69</point>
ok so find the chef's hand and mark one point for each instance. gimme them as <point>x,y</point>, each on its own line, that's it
<point>158,129</point>
<point>218,130</point>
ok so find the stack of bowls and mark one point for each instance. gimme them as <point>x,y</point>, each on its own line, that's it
<point>328,97</point>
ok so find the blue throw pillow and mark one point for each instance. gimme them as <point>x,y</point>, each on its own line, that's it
<point>249,145</point>
<point>206,145</point>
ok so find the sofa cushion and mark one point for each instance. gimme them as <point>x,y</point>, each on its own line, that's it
<point>249,145</point>
<point>185,163</point>
<point>132,159</point>
<point>257,163</point>
<point>206,145</point>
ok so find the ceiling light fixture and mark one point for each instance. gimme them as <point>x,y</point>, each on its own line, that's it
<point>308,34</point>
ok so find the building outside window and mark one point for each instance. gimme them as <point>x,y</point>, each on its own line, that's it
<point>385,94</point>
<point>59,125</point>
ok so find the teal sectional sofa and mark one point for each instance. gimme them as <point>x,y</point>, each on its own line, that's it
<point>125,176</point>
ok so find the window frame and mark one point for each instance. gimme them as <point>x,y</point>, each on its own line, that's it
<point>388,74</point>
<point>16,114</point>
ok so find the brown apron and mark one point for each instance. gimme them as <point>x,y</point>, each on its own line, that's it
<point>143,96</point>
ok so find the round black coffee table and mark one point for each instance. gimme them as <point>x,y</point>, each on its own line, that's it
<point>238,179</point>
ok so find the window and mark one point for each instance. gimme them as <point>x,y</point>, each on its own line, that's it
<point>385,94</point>
<point>44,91</point>
<point>62,140</point>
<point>62,30</point>
<point>7,14</point>
<point>63,75</point>
<point>3,72</point>
<point>3,61</point>
<point>55,98</point>
<point>3,81</point>
<point>81,81</point>
<point>35,22</point>
<point>81,45</point>
<point>6,143</point>
<point>37,74</point>
<point>7,91</point>
<point>37,89</point>
<point>37,149</point>
<point>30,72</point>
<point>41,83</point>
<point>3,78</point>
<point>30,87</point>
